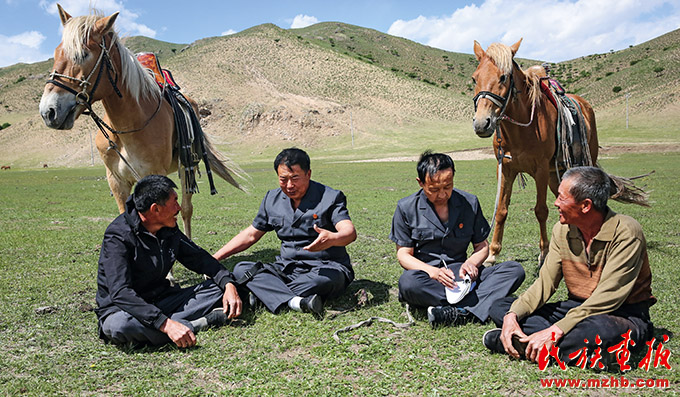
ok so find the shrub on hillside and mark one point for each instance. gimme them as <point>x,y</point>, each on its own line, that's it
<point>616,89</point>
<point>659,69</point>
<point>4,125</point>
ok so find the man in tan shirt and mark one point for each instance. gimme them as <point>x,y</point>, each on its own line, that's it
<point>602,257</point>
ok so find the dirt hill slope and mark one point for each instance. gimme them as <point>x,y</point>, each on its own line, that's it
<point>321,86</point>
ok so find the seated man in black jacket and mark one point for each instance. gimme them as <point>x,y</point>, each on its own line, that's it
<point>136,303</point>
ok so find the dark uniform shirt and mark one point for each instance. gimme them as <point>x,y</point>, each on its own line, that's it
<point>322,206</point>
<point>133,264</point>
<point>416,224</point>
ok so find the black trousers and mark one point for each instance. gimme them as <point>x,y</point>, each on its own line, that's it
<point>182,305</point>
<point>494,282</point>
<point>609,327</point>
<point>276,284</point>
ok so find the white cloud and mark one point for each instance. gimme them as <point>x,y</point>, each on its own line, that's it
<point>125,23</point>
<point>302,21</point>
<point>228,32</point>
<point>30,39</point>
<point>555,30</point>
<point>23,47</point>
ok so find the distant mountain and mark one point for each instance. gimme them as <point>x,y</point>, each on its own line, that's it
<point>332,84</point>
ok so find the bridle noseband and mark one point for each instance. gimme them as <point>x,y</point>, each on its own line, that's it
<point>497,100</point>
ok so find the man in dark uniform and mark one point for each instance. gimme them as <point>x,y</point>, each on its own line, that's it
<point>433,229</point>
<point>314,226</point>
<point>136,303</point>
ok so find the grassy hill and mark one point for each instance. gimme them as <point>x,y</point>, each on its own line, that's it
<point>162,49</point>
<point>346,92</point>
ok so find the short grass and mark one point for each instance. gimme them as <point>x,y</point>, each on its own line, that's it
<point>52,222</point>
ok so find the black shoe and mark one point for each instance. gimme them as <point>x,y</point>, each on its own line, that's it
<point>447,315</point>
<point>312,304</point>
<point>492,341</point>
<point>216,318</point>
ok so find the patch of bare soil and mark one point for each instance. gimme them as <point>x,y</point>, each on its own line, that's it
<point>640,148</point>
<point>470,154</point>
<point>487,153</point>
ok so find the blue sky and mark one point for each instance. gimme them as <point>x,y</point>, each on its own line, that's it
<point>553,30</point>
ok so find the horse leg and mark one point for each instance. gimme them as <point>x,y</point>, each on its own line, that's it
<point>507,179</point>
<point>187,206</point>
<point>120,189</point>
<point>541,209</point>
<point>553,183</point>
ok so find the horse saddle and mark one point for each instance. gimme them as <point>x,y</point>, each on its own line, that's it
<point>190,139</point>
<point>149,60</point>
<point>572,136</point>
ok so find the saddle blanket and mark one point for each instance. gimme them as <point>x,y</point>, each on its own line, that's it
<point>149,60</point>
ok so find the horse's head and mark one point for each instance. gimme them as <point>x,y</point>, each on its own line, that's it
<point>81,64</point>
<point>493,85</point>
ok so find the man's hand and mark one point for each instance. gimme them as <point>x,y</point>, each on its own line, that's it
<point>443,275</point>
<point>537,340</point>
<point>511,327</point>
<point>469,269</point>
<point>322,242</point>
<point>231,302</point>
<point>178,333</point>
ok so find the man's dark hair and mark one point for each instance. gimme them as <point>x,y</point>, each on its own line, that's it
<point>292,156</point>
<point>431,163</point>
<point>152,189</point>
<point>589,183</point>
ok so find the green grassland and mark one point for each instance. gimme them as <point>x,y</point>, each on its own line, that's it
<point>52,222</point>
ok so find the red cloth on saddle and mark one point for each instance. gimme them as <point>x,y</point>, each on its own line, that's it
<point>546,85</point>
<point>149,60</point>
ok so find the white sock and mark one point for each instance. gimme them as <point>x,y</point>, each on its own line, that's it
<point>294,303</point>
<point>200,324</point>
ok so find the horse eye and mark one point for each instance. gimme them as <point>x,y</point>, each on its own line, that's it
<point>82,56</point>
<point>502,80</point>
<point>474,81</point>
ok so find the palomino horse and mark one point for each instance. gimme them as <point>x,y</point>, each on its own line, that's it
<point>527,145</point>
<point>144,137</point>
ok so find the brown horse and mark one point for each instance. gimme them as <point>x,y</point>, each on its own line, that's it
<point>91,64</point>
<point>526,145</point>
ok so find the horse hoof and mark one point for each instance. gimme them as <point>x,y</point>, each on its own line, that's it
<point>489,262</point>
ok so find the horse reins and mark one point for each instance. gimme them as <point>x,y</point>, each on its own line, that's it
<point>84,98</point>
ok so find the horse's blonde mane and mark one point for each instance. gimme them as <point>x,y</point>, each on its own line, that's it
<point>76,34</point>
<point>502,56</point>
<point>532,77</point>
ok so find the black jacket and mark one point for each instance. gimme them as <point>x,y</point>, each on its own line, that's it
<point>133,264</point>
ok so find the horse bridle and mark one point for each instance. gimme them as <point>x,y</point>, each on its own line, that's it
<point>83,97</point>
<point>497,100</point>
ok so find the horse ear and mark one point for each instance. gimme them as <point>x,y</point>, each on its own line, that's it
<point>63,15</point>
<point>104,25</point>
<point>479,52</point>
<point>515,47</point>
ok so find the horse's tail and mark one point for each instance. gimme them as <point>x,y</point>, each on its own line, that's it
<point>224,167</point>
<point>624,190</point>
